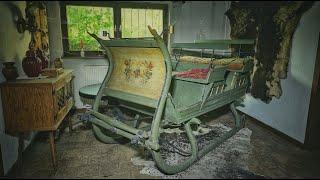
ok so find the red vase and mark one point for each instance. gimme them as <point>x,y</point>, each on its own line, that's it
<point>9,71</point>
<point>31,64</point>
<point>44,59</point>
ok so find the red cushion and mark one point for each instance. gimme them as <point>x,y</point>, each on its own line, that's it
<point>195,73</point>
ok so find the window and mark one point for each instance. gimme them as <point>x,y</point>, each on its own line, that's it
<point>134,22</point>
<point>85,18</point>
<point>119,20</point>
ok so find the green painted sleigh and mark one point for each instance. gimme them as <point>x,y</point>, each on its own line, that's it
<point>173,90</point>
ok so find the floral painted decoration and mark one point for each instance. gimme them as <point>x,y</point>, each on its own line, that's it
<point>138,70</point>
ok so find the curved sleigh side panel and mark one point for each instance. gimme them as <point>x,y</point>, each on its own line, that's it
<point>138,70</point>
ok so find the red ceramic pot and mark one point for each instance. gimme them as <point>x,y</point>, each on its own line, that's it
<point>31,64</point>
<point>9,71</point>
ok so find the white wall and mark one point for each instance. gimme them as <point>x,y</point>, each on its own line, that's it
<point>195,20</point>
<point>289,113</point>
<point>86,72</point>
<point>13,46</point>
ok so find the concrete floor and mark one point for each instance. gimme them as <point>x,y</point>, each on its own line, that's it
<point>80,155</point>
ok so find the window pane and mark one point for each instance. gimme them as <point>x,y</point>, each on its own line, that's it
<point>92,19</point>
<point>135,22</point>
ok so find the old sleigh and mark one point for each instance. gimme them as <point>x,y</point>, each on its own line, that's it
<point>173,90</point>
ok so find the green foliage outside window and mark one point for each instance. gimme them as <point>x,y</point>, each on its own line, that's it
<point>134,24</point>
<point>92,19</point>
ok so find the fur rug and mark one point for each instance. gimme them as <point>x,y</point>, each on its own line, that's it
<point>229,160</point>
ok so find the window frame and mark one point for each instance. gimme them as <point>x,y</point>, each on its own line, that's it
<point>116,19</point>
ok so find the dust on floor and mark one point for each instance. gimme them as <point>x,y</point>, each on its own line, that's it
<point>80,155</point>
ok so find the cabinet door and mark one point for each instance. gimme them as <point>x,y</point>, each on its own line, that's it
<point>63,100</point>
<point>27,107</point>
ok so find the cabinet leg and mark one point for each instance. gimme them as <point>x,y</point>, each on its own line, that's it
<point>70,122</point>
<point>20,151</point>
<point>53,149</point>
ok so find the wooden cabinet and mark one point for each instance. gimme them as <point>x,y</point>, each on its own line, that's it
<point>37,104</point>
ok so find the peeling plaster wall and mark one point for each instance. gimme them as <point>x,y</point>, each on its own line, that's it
<point>13,46</point>
<point>289,113</point>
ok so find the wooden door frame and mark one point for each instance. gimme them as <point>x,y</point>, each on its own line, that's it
<point>313,121</point>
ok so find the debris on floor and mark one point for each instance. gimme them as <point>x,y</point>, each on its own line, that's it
<point>229,160</point>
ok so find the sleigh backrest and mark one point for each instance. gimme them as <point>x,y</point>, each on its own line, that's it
<point>138,72</point>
